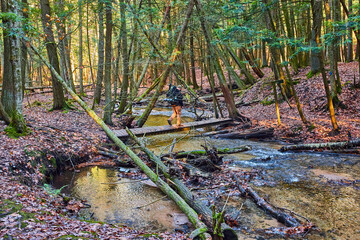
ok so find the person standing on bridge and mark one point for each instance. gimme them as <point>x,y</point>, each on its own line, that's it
<point>175,98</point>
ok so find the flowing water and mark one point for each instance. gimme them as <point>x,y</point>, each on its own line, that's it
<point>323,187</point>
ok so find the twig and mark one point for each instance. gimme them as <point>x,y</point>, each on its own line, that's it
<point>172,146</point>
<point>151,202</point>
<point>113,183</point>
<point>161,153</point>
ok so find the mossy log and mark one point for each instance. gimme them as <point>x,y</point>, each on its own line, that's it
<point>191,214</point>
<point>316,146</point>
<point>204,153</point>
<point>197,205</point>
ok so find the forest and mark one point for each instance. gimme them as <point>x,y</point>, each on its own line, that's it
<point>193,119</point>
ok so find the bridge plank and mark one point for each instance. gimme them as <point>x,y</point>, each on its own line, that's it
<point>165,129</point>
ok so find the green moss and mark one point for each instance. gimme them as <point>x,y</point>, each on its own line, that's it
<point>311,127</point>
<point>43,169</point>
<point>147,235</point>
<point>71,237</point>
<point>310,74</point>
<point>8,207</point>
<point>267,101</point>
<point>36,103</point>
<point>11,132</point>
<point>53,162</point>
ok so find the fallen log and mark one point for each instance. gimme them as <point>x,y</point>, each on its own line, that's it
<point>315,146</point>
<point>200,227</point>
<point>191,170</point>
<point>120,162</point>
<point>204,153</point>
<point>250,133</point>
<point>281,216</point>
<point>204,211</point>
<point>208,134</point>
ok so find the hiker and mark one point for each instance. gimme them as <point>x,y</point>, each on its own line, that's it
<point>175,98</point>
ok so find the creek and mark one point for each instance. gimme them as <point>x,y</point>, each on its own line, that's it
<point>323,187</point>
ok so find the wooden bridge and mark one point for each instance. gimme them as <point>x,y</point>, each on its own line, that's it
<point>146,131</point>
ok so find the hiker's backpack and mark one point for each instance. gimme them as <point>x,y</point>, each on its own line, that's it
<point>174,96</point>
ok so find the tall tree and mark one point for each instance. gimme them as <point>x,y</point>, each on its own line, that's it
<point>12,85</point>
<point>315,38</point>
<point>125,58</point>
<point>316,6</point>
<point>58,93</point>
<point>81,67</point>
<point>100,68</point>
<point>24,53</point>
<point>108,57</point>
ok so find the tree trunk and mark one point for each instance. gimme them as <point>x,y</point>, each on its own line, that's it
<point>88,43</point>
<point>24,58</point>
<point>315,37</point>
<point>318,146</point>
<point>192,60</point>
<point>81,67</point>
<point>3,114</point>
<point>108,58</point>
<point>60,25</point>
<point>100,68</point>
<point>12,93</point>
<point>125,58</point>
<point>317,13</point>
<point>204,153</point>
<point>349,47</point>
<point>58,93</point>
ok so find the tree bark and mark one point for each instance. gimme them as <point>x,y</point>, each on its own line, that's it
<point>80,63</point>
<point>108,58</point>
<point>24,57</point>
<point>58,93</point>
<point>318,146</point>
<point>100,66</point>
<point>12,93</point>
<point>317,13</point>
<point>125,58</point>
<point>204,153</point>
<point>315,37</point>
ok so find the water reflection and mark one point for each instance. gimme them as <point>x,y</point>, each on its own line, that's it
<point>118,201</point>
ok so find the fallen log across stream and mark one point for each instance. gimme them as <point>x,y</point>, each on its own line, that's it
<point>316,146</point>
<point>184,154</point>
<point>201,230</point>
<point>185,193</point>
<point>250,133</point>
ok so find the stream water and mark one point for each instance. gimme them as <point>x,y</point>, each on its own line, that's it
<point>323,187</point>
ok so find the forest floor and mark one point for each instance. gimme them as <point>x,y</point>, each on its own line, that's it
<point>63,139</point>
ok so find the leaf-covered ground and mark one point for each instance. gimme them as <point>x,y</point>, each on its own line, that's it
<point>312,97</point>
